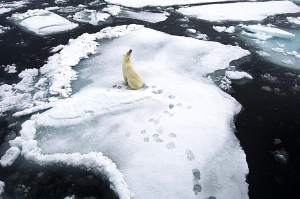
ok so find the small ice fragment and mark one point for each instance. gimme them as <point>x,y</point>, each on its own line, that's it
<point>281,156</point>
<point>266,88</point>
<point>10,156</point>
<point>277,141</point>
<point>193,31</point>
<point>219,28</point>
<point>237,75</point>
<point>10,68</point>
<point>170,146</point>
<point>278,50</point>
<point>230,30</point>
<point>287,61</point>
<point>263,54</point>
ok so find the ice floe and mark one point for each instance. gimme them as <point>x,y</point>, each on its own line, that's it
<point>4,29</point>
<point>91,16</point>
<point>295,20</point>
<point>10,68</point>
<point>237,75</point>
<point>10,6</point>
<point>242,11</point>
<point>274,32</point>
<point>281,156</point>
<point>2,185</point>
<point>42,22</point>
<point>178,109</point>
<point>139,4</point>
<point>144,16</point>
<point>112,9</point>
<point>10,156</point>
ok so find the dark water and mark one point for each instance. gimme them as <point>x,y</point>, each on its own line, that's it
<point>266,116</point>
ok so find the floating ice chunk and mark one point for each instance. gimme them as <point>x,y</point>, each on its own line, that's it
<point>10,156</point>
<point>52,8</point>
<point>244,11</point>
<point>278,50</point>
<point>139,3</point>
<point>263,54</point>
<point>225,84</point>
<point>144,16</point>
<point>277,141</point>
<point>269,77</point>
<point>266,88</point>
<point>91,16</point>
<point>2,185</point>
<point>33,110</point>
<point>61,1</point>
<point>219,28</point>
<point>292,53</point>
<point>10,68</point>
<point>230,29</point>
<point>57,48</point>
<point>295,20</point>
<point>3,29</point>
<point>112,9</point>
<point>10,6</point>
<point>275,32</point>
<point>237,75</point>
<point>258,35</point>
<point>281,156</point>
<point>288,61</point>
<point>69,9</point>
<point>42,22</point>
<point>193,31</point>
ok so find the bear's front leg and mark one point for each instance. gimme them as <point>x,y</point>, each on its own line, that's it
<point>125,82</point>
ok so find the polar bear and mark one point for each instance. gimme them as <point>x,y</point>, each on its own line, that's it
<point>131,76</point>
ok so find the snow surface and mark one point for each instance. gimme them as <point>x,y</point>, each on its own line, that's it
<point>2,185</point>
<point>237,75</point>
<point>144,16</point>
<point>42,22</point>
<point>91,16</point>
<point>139,3</point>
<point>177,110</point>
<point>10,156</point>
<point>242,11</point>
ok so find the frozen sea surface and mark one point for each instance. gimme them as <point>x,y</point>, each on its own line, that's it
<point>156,135</point>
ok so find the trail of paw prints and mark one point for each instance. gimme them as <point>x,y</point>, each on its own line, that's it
<point>196,181</point>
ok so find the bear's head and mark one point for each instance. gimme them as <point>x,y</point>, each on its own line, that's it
<point>127,55</point>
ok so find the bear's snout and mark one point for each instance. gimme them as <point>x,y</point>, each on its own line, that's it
<point>129,52</point>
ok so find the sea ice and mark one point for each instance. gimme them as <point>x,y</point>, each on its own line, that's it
<point>3,29</point>
<point>42,22</point>
<point>263,54</point>
<point>275,32</point>
<point>295,20</point>
<point>237,75</point>
<point>139,4</point>
<point>112,9</point>
<point>242,11</point>
<point>10,68</point>
<point>91,16</point>
<point>10,6</point>
<point>10,156</point>
<point>219,28</point>
<point>2,185</point>
<point>144,16</point>
<point>93,119</point>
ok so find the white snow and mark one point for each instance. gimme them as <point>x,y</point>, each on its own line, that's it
<point>295,20</point>
<point>42,22</point>
<point>10,156</point>
<point>237,75</point>
<point>91,16</point>
<point>242,11</point>
<point>275,32</point>
<point>10,68</point>
<point>139,3</point>
<point>2,185</point>
<point>144,16</point>
<point>144,152</point>
<point>52,8</point>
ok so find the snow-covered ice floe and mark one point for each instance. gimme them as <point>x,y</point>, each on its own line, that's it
<point>237,75</point>
<point>42,22</point>
<point>179,126</point>
<point>10,156</point>
<point>3,29</point>
<point>295,20</point>
<point>10,68</point>
<point>269,31</point>
<point>2,185</point>
<point>144,16</point>
<point>91,16</point>
<point>139,3</point>
<point>242,11</point>
<point>10,6</point>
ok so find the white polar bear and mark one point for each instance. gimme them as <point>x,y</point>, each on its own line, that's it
<point>131,76</point>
